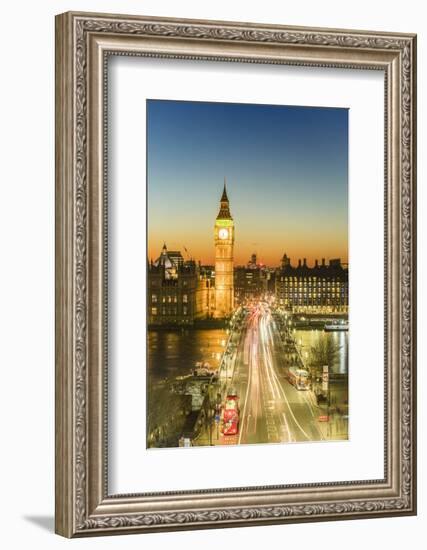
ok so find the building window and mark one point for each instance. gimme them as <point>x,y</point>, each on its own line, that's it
<point>184,310</point>
<point>154,298</point>
<point>185,298</point>
<point>153,311</point>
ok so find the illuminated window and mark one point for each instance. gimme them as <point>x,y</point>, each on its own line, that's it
<point>154,298</point>
<point>153,311</point>
<point>184,310</point>
<point>185,298</point>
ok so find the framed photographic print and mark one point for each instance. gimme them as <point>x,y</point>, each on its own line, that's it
<point>235,274</point>
<point>240,341</point>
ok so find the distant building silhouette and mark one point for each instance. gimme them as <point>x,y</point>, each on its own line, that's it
<point>250,281</point>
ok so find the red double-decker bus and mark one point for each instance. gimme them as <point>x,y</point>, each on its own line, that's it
<point>231,415</point>
<point>298,378</point>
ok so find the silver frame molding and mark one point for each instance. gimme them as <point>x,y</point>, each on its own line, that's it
<point>83,43</point>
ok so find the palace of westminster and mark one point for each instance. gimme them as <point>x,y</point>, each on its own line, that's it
<point>183,292</point>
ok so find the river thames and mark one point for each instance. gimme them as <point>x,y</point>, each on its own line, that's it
<point>173,353</point>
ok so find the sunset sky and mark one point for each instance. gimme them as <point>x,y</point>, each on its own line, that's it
<point>287,179</point>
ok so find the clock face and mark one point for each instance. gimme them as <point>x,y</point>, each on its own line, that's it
<point>223,233</point>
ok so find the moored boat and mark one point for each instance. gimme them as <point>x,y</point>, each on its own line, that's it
<point>336,326</point>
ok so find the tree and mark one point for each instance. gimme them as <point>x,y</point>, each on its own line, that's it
<point>166,414</point>
<point>324,352</point>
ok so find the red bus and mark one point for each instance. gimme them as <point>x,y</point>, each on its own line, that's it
<point>231,415</point>
<point>298,378</point>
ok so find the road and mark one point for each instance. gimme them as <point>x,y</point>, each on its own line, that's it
<point>271,409</point>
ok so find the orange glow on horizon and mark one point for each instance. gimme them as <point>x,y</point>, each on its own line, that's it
<point>269,255</point>
<point>297,235</point>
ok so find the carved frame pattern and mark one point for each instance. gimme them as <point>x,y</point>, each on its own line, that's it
<point>77,510</point>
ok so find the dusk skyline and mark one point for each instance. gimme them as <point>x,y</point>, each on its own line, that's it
<point>287,179</point>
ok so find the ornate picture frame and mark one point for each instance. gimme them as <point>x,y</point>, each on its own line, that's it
<point>84,42</point>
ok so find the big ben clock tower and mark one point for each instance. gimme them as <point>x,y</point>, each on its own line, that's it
<point>224,274</point>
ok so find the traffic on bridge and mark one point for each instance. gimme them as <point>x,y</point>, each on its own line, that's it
<point>270,407</point>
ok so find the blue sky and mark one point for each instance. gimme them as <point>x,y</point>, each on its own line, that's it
<point>286,170</point>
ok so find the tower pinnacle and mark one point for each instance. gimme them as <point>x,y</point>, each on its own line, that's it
<point>224,197</point>
<point>224,211</point>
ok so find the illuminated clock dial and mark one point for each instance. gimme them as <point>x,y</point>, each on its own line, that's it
<point>223,233</point>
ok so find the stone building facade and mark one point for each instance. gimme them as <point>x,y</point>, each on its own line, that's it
<point>322,288</point>
<point>181,292</point>
<point>224,269</point>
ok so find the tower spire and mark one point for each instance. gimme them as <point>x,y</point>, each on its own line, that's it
<point>224,211</point>
<point>224,197</point>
